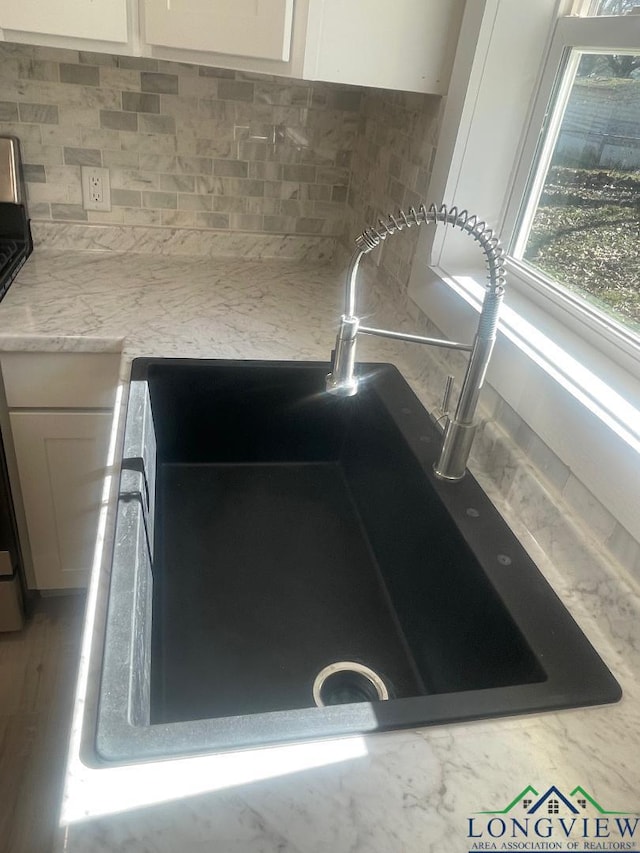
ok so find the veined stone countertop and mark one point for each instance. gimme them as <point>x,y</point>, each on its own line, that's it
<point>399,792</point>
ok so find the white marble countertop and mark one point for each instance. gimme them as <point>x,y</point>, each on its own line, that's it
<point>412,791</point>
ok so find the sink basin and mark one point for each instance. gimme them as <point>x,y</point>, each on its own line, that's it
<point>285,560</point>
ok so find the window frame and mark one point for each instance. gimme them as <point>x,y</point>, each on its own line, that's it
<point>592,35</point>
<point>576,388</point>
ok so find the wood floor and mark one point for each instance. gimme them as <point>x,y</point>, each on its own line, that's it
<point>37,680</point>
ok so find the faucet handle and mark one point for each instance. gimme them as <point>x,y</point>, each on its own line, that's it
<point>446,397</point>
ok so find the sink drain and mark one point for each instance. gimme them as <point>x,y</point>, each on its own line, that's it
<point>346,681</point>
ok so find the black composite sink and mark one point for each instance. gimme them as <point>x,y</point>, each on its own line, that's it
<point>267,530</point>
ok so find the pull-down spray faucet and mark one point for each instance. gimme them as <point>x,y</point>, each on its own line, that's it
<point>459,430</point>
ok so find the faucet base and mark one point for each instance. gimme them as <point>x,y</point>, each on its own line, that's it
<point>341,387</point>
<point>456,446</point>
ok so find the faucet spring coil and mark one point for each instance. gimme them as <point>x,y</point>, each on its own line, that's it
<point>479,230</point>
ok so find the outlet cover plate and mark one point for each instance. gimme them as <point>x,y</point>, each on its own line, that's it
<point>96,189</point>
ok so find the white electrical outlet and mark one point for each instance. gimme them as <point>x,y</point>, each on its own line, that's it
<point>96,192</point>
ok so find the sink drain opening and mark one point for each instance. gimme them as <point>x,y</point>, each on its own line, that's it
<point>346,681</point>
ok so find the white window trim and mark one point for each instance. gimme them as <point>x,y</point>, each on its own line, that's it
<point>602,35</point>
<point>582,400</point>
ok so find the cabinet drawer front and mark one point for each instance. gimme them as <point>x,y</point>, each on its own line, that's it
<point>60,380</point>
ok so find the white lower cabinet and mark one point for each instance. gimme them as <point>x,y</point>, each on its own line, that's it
<point>56,410</point>
<point>61,460</point>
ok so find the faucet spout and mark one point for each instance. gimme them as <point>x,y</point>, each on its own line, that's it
<point>460,429</point>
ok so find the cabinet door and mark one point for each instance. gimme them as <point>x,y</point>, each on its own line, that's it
<point>104,20</point>
<point>407,45</point>
<point>254,28</point>
<point>61,464</point>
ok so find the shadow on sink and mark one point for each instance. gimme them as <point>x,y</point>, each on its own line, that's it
<point>267,530</point>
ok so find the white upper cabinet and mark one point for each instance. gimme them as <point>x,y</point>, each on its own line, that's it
<point>49,21</point>
<point>407,45</point>
<point>252,28</point>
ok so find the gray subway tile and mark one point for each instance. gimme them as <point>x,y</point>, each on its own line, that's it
<point>34,174</point>
<point>345,100</point>
<point>126,198</point>
<point>303,174</point>
<point>216,72</point>
<point>246,221</point>
<point>40,210</point>
<point>230,168</point>
<point>279,224</point>
<point>339,194</point>
<point>36,69</point>
<point>39,113</point>
<point>336,176</point>
<point>328,209</point>
<point>82,75</point>
<point>87,57</point>
<point>141,216</point>
<point>320,192</point>
<point>194,165</point>
<point>157,124</point>
<point>229,203</point>
<point>235,90</point>
<point>412,199</point>
<point>157,162</point>
<point>82,157</point>
<point>120,158</point>
<point>264,171</point>
<point>166,84</point>
<point>191,201</point>
<point>309,225</point>
<point>8,111</point>
<point>212,220</point>
<point>215,148</point>
<point>293,207</point>
<point>210,109</point>
<point>160,199</point>
<point>178,183</point>
<point>118,120</point>
<point>178,218</point>
<point>137,63</point>
<point>138,102</point>
<point>242,187</point>
<point>69,212</point>
<point>395,191</point>
<point>263,205</point>
<point>250,150</point>
<point>623,547</point>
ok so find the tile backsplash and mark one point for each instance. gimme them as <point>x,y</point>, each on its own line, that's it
<point>392,160</point>
<point>186,146</point>
<point>194,147</point>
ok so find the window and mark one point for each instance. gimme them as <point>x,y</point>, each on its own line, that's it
<point>580,229</point>
<point>570,369</point>
<point>574,218</point>
<point>553,807</point>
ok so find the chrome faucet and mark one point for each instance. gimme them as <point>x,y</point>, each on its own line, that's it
<point>459,430</point>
